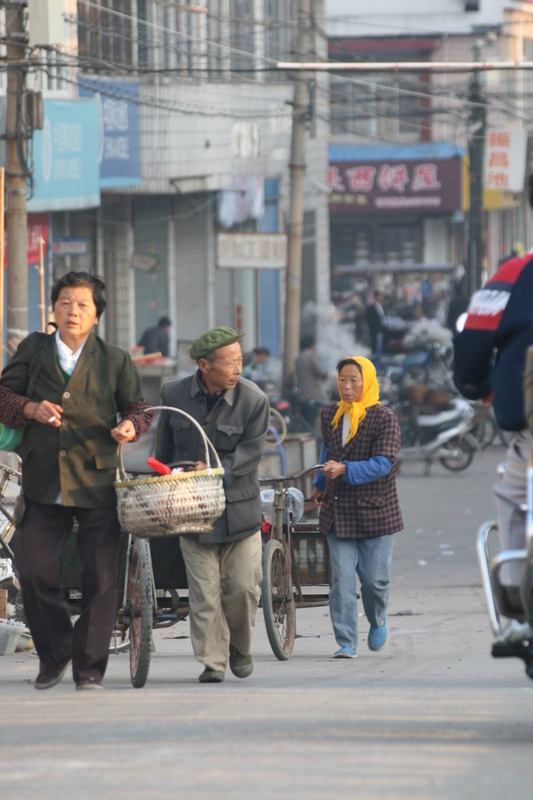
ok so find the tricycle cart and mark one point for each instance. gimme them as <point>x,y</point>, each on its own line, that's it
<point>295,558</point>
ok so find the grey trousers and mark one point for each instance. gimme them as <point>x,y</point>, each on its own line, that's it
<point>223,582</point>
<point>510,494</point>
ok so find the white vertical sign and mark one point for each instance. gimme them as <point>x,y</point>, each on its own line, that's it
<point>505,160</point>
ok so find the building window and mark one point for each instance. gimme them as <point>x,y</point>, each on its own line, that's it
<point>105,32</point>
<point>241,35</point>
<point>375,106</point>
<point>280,29</point>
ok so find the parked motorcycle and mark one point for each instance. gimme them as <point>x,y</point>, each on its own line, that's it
<point>444,436</point>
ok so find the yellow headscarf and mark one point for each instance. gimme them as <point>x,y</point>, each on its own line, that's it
<point>370,396</point>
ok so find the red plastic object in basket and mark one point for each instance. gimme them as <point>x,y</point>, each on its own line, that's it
<point>158,466</point>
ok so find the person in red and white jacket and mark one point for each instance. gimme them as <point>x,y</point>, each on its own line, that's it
<point>489,360</point>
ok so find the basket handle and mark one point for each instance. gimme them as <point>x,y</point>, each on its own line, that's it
<point>206,442</point>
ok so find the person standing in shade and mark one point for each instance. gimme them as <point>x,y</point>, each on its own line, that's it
<point>157,339</point>
<point>359,507</point>
<point>223,568</point>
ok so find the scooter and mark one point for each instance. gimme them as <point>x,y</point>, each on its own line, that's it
<point>514,639</point>
<point>444,436</point>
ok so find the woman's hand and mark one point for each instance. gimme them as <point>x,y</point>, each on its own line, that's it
<point>317,496</point>
<point>333,469</point>
<point>124,432</point>
<point>44,412</point>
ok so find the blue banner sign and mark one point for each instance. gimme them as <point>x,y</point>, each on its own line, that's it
<point>120,137</point>
<point>65,155</point>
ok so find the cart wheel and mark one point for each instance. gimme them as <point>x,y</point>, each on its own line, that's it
<point>278,600</point>
<point>139,610</point>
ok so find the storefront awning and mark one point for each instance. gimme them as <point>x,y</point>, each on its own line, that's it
<point>385,151</point>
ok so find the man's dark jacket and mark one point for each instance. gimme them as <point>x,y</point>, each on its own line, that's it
<point>237,427</point>
<point>489,354</point>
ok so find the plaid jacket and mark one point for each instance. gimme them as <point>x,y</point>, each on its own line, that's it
<point>370,509</point>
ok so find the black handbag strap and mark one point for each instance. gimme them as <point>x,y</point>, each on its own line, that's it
<point>35,373</point>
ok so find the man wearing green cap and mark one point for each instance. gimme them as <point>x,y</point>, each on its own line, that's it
<point>223,568</point>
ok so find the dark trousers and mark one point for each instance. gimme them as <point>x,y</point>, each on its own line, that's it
<point>42,536</point>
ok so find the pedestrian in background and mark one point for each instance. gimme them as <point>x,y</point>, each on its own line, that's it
<point>157,339</point>
<point>253,361</point>
<point>359,507</point>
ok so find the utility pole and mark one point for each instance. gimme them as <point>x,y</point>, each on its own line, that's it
<point>300,115</point>
<point>476,150</point>
<point>16,171</point>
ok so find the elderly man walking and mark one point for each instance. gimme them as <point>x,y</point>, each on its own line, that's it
<point>223,568</point>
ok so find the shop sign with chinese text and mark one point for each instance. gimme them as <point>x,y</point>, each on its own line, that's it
<point>505,160</point>
<point>370,187</point>
<point>252,250</point>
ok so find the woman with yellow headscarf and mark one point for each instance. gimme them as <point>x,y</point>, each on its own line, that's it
<point>359,508</point>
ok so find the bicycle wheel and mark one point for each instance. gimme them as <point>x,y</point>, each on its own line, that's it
<point>278,600</point>
<point>461,459</point>
<point>139,611</point>
<point>280,426</point>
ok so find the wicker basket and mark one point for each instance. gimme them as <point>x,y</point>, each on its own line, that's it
<point>169,505</point>
<point>10,634</point>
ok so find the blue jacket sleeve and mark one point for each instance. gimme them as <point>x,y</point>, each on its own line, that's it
<point>366,471</point>
<point>356,471</point>
<point>319,481</point>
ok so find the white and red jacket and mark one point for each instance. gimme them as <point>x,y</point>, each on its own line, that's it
<point>490,352</point>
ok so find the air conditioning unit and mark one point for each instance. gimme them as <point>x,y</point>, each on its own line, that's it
<point>46,22</point>
<point>472,5</point>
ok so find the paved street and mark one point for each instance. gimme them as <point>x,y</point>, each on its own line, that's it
<point>433,716</point>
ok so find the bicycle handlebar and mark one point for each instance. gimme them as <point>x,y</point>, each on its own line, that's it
<point>284,478</point>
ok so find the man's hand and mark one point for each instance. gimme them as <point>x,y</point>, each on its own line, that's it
<point>44,412</point>
<point>200,465</point>
<point>124,432</point>
<point>333,469</point>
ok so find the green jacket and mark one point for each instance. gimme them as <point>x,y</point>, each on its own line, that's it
<point>78,459</point>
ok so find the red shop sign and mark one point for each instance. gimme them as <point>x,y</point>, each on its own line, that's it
<point>370,186</point>
<point>37,229</point>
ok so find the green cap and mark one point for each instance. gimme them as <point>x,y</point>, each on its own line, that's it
<point>212,340</point>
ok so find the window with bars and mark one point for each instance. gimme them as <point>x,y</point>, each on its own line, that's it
<point>376,106</point>
<point>105,32</point>
<point>241,34</point>
<point>280,29</point>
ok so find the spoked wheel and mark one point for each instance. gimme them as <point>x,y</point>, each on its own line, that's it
<point>139,611</point>
<point>278,600</point>
<point>461,455</point>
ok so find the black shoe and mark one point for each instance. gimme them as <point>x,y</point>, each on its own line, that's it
<point>50,674</point>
